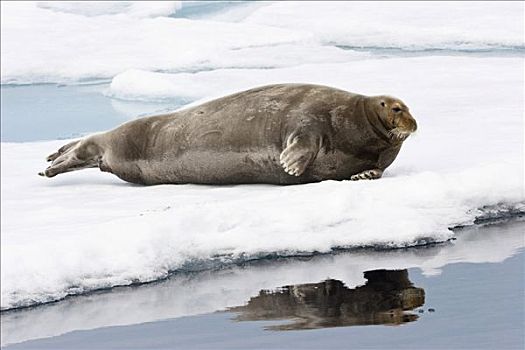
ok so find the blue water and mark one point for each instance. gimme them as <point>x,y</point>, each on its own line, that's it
<point>202,9</point>
<point>50,112</point>
<point>475,306</point>
<point>493,51</point>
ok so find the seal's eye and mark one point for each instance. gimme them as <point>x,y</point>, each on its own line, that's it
<point>396,109</point>
<point>382,104</point>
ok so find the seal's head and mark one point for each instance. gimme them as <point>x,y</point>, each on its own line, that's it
<point>394,116</point>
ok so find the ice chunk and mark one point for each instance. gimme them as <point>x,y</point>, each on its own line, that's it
<point>409,25</point>
<point>43,45</point>
<point>68,42</point>
<point>103,8</point>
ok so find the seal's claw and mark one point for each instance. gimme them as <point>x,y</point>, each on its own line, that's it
<point>367,175</point>
<point>41,173</point>
<point>295,158</point>
<point>52,157</point>
<point>61,150</point>
<point>295,169</point>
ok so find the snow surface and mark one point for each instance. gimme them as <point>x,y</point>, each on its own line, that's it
<point>103,8</point>
<point>66,42</point>
<point>403,24</point>
<point>88,230</point>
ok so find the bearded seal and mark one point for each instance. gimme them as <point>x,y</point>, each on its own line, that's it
<point>276,134</point>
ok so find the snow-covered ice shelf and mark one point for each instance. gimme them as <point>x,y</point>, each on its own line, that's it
<point>88,230</point>
<point>67,42</point>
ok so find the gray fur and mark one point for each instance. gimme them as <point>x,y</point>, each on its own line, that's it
<point>278,134</point>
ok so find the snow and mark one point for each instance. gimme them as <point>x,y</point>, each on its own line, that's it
<point>67,42</point>
<point>98,8</point>
<point>401,24</point>
<point>88,230</point>
<point>43,45</point>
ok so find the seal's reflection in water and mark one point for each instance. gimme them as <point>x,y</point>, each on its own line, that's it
<point>383,299</point>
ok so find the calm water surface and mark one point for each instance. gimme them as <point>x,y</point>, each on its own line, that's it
<point>50,112</point>
<point>467,294</point>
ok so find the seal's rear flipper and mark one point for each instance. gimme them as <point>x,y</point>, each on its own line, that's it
<point>75,155</point>
<point>60,151</point>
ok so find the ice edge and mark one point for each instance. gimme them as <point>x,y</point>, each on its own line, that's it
<point>488,215</point>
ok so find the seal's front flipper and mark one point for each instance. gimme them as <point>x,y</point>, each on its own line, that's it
<point>371,174</point>
<point>298,154</point>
